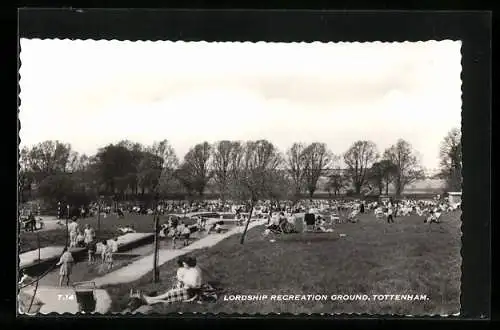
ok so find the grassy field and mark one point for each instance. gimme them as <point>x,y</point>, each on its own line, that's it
<point>108,229</point>
<point>407,257</point>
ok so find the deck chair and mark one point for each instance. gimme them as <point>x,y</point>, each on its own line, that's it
<point>299,224</point>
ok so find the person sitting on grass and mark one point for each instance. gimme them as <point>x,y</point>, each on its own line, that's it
<point>434,216</point>
<point>181,270</point>
<point>80,239</point>
<point>353,216</point>
<point>216,227</point>
<point>192,282</point>
<point>321,225</point>
<point>126,230</point>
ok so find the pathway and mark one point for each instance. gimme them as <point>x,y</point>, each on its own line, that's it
<point>62,299</point>
<point>141,267</point>
<point>53,252</point>
<point>47,253</point>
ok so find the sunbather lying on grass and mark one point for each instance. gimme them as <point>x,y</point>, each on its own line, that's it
<point>187,287</point>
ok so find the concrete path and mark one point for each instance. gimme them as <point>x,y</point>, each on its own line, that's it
<point>46,253</point>
<point>141,267</point>
<point>55,299</point>
<point>53,252</point>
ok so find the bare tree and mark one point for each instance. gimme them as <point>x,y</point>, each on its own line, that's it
<point>164,161</point>
<point>254,179</point>
<point>317,160</point>
<point>296,162</point>
<point>281,186</point>
<point>408,168</point>
<point>450,154</point>
<point>359,158</point>
<point>225,157</point>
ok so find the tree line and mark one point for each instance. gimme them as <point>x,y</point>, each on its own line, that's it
<point>250,170</point>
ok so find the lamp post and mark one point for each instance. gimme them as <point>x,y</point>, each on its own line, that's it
<point>99,201</point>
<point>67,225</point>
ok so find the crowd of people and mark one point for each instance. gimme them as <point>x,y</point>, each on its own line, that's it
<point>283,217</point>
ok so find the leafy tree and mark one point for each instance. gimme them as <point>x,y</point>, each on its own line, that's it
<point>46,158</point>
<point>359,158</point>
<point>195,170</point>
<point>381,174</point>
<point>450,154</point>
<point>61,187</point>
<point>408,168</point>
<point>337,182</point>
<point>114,163</point>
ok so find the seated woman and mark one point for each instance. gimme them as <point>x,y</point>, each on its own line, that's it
<point>163,230</point>
<point>80,239</point>
<point>192,281</point>
<point>181,270</point>
<point>217,227</point>
<point>276,223</point>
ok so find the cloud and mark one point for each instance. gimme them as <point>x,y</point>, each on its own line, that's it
<point>91,93</point>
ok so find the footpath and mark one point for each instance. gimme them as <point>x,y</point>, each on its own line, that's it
<point>48,298</point>
<point>141,267</point>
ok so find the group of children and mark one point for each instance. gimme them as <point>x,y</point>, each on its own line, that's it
<point>87,239</point>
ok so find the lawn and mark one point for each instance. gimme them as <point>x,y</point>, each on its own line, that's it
<point>407,257</point>
<point>108,229</point>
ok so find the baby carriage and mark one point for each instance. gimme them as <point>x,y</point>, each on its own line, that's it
<point>85,296</point>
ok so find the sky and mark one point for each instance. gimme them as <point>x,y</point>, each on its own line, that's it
<point>92,93</point>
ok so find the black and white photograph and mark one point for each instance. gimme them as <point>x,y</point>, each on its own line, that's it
<point>240,177</point>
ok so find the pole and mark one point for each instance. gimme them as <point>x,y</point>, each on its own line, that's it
<point>36,284</point>
<point>156,272</point>
<point>67,228</point>
<point>98,217</point>
<point>242,240</point>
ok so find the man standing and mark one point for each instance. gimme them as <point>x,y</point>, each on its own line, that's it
<point>390,218</point>
<point>31,222</point>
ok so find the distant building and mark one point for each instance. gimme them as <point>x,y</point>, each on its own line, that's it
<point>454,197</point>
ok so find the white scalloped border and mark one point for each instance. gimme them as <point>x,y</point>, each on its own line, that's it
<point>338,315</point>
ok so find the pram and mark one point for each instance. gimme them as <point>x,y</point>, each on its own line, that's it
<point>85,296</point>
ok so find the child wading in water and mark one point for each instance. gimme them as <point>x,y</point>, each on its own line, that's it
<point>66,263</point>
